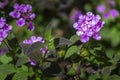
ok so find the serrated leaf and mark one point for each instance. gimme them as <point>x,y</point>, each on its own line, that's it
<point>72,50</point>
<point>22,75</point>
<point>7,69</point>
<point>5,59</point>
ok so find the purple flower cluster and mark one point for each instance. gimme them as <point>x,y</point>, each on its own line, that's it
<point>32,40</point>
<point>107,14</point>
<point>24,15</point>
<point>4,29</point>
<point>88,26</point>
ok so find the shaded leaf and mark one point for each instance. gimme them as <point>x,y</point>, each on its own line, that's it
<point>22,60</point>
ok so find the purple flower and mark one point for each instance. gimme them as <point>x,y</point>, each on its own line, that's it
<point>88,26</point>
<point>23,8</point>
<point>24,15</point>
<point>101,8</point>
<point>2,23</point>
<point>34,39</point>
<point>30,26</point>
<point>112,3</point>
<point>114,13</point>
<point>4,29</point>
<point>96,36</point>
<point>16,7</point>
<point>106,15</point>
<point>33,62</point>
<point>15,14</point>
<point>29,8</point>
<point>20,22</point>
<point>84,38</point>
<point>44,50</point>
<point>31,16</point>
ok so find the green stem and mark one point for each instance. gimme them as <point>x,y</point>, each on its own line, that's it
<point>7,45</point>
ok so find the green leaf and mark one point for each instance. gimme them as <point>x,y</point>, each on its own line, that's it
<point>114,77</point>
<point>21,75</point>
<point>72,50</point>
<point>24,68</point>
<point>74,38</point>
<point>22,60</point>
<point>48,34</point>
<point>7,69</point>
<point>93,77</point>
<point>2,76</point>
<point>106,72</point>
<point>5,59</point>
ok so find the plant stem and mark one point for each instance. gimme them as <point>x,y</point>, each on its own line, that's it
<point>7,45</point>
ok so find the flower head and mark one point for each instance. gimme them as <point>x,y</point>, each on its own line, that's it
<point>4,29</point>
<point>24,15</point>
<point>88,26</point>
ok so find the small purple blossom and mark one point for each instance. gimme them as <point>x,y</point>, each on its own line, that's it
<point>112,3</point>
<point>34,39</point>
<point>30,26</point>
<point>101,8</point>
<point>15,14</point>
<point>33,62</point>
<point>88,26</point>
<point>4,29</point>
<point>24,15</point>
<point>114,13</point>
<point>107,14</point>
<point>44,50</point>
<point>20,22</point>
